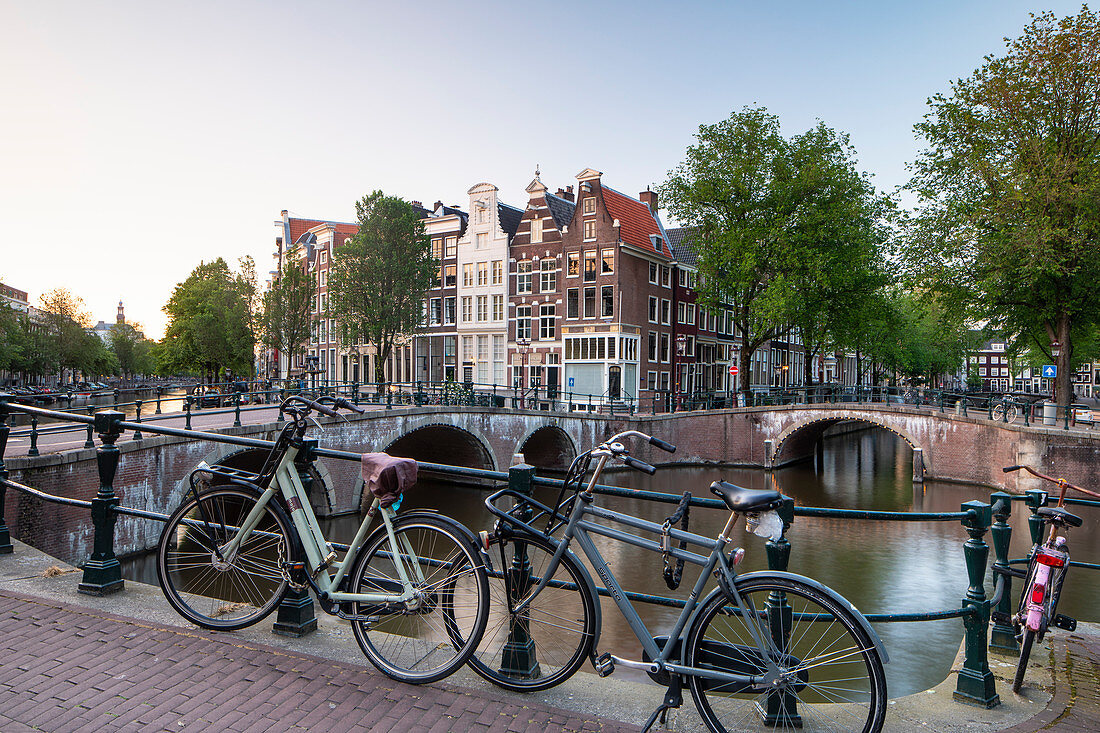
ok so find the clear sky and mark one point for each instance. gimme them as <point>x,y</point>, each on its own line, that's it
<point>139,138</point>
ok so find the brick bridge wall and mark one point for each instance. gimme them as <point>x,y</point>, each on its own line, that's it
<point>151,472</point>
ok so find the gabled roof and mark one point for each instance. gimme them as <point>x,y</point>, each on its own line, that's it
<point>561,209</point>
<point>509,218</point>
<point>636,222</point>
<point>679,240</point>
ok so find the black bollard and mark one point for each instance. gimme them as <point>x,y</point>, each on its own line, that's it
<point>5,537</point>
<point>975,683</point>
<point>102,572</point>
<point>137,419</point>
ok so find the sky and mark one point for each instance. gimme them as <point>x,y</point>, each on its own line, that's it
<point>138,139</point>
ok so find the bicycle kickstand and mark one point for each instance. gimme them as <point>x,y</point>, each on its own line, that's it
<point>674,698</point>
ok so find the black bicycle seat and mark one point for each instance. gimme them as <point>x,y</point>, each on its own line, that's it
<point>1060,516</point>
<point>745,500</point>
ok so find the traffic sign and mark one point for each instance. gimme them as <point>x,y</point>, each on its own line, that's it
<point>733,369</point>
<point>1050,370</point>
<point>571,381</point>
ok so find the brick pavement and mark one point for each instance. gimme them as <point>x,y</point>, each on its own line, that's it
<point>1075,705</point>
<point>67,669</point>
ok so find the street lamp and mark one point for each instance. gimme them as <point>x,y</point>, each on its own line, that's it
<point>1055,349</point>
<point>524,345</point>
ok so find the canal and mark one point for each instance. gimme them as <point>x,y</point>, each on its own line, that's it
<point>881,567</point>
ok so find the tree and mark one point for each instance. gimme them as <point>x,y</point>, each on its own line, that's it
<point>1008,216</point>
<point>376,286</point>
<point>131,349</point>
<point>783,228</point>
<point>12,342</point>
<point>288,309</point>
<point>209,323</point>
<point>64,321</point>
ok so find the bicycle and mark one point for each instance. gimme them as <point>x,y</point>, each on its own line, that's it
<point>1006,410</point>
<point>415,589</point>
<point>1046,572</point>
<point>772,647</point>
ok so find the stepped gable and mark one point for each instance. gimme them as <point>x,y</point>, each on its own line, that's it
<point>561,209</point>
<point>636,222</point>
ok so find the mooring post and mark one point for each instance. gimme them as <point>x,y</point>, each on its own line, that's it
<point>102,571</point>
<point>1002,636</point>
<point>518,659</point>
<point>296,615</point>
<point>976,684</point>
<point>5,429</point>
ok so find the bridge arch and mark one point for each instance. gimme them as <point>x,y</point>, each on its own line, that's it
<point>548,446</point>
<point>439,442</point>
<point>797,440</point>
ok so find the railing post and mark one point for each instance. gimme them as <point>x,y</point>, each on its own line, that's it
<point>160,391</point>
<point>517,658</point>
<point>187,413</point>
<point>236,409</point>
<point>355,393</point>
<point>102,572</point>
<point>33,450</point>
<point>89,443</point>
<point>975,683</point>
<point>137,418</point>
<point>418,395</point>
<point>296,616</point>
<point>1035,499</point>
<point>781,708</point>
<point>5,429</point>
<point>389,397</point>
<point>1002,636</point>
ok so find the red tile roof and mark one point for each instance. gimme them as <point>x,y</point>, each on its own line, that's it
<point>298,227</point>
<point>636,222</point>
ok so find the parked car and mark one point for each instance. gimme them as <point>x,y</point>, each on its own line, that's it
<point>1081,413</point>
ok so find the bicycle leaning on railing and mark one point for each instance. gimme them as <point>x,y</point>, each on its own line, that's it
<point>1046,572</point>
<point>415,589</point>
<point>763,650</point>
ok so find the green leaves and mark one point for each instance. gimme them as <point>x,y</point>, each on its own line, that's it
<point>288,309</point>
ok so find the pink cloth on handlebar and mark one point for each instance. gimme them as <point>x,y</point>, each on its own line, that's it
<point>388,477</point>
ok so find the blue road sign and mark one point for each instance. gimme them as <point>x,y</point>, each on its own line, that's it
<point>1050,370</point>
<point>571,381</point>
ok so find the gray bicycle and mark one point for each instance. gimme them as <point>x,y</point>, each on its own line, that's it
<point>763,650</point>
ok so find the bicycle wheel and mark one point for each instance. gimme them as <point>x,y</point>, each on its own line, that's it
<point>229,592</point>
<point>548,641</point>
<point>832,675</point>
<point>999,412</point>
<point>1025,651</point>
<point>428,638</point>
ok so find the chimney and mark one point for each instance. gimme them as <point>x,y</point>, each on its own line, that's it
<point>437,205</point>
<point>649,198</point>
<point>568,195</point>
<point>417,204</point>
<point>283,213</point>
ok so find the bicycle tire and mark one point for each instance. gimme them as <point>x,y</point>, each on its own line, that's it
<point>842,686</point>
<point>547,643</point>
<point>214,593</point>
<point>425,643</point>
<point>1026,642</point>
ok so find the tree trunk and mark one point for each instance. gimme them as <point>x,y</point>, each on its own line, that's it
<point>1063,382</point>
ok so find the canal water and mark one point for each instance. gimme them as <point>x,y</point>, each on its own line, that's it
<point>881,567</point>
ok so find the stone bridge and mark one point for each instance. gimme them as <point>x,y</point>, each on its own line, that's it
<point>151,473</point>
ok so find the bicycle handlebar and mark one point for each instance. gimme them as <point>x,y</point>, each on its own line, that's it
<point>640,465</point>
<point>1060,482</point>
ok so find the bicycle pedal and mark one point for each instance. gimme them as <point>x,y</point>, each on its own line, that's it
<point>605,665</point>
<point>1064,622</point>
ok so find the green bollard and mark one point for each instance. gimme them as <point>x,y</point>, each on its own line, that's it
<point>187,414</point>
<point>102,572</point>
<point>781,709</point>
<point>975,683</point>
<point>236,409</point>
<point>137,418</point>
<point>33,450</point>
<point>1035,499</point>
<point>1002,636</point>
<point>89,443</point>
<point>6,547</point>
<point>160,391</point>
<point>518,657</point>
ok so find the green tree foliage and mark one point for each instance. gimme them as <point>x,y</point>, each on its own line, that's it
<point>376,286</point>
<point>914,336</point>
<point>63,325</point>
<point>131,349</point>
<point>209,324</point>
<point>288,309</point>
<point>786,229</point>
<point>12,342</point>
<point>1009,210</point>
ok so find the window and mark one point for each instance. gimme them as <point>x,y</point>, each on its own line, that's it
<point>681,312</point>
<point>573,266</point>
<point>483,358</point>
<point>589,205</point>
<point>651,377</point>
<point>652,309</point>
<point>437,249</point>
<point>498,307</point>
<point>590,265</point>
<point>523,322</point>
<point>664,381</point>
<point>482,308</point>
<point>438,280</point>
<point>483,273</point>
<point>607,261</point>
<point>590,229</point>
<point>652,346</point>
<point>324,302</point>
<point>323,256</point>
<point>536,231</point>
<point>653,272</point>
<point>607,298</point>
<point>666,277</point>
<point>450,276</point>
<point>572,303</point>
<point>523,279</point>
<point>549,271</point>
<point>546,323</point>
<point>664,347</point>
<point>691,314</point>
<point>481,241</point>
<point>666,308</point>
<point>482,213</point>
<point>467,308</point>
<point>689,346</point>
<point>451,248</point>
<point>590,302</point>
<point>436,312</point>
<point>449,310</point>
<point>498,272</point>
<point>468,274</point>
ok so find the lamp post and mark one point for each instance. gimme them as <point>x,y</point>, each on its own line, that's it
<point>524,345</point>
<point>1055,352</point>
<point>681,350</point>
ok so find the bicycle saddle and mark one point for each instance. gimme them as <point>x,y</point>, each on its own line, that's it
<point>741,499</point>
<point>1060,516</point>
